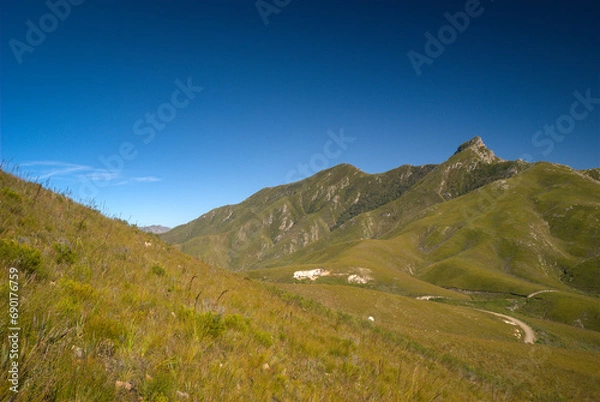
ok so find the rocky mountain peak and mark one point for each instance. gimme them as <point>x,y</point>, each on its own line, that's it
<point>473,143</point>
<point>476,145</point>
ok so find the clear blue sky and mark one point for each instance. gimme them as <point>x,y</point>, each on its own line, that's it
<point>163,110</point>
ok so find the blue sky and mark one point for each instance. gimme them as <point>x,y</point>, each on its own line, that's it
<point>163,110</point>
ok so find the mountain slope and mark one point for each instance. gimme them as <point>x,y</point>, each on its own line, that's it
<point>155,229</point>
<point>474,223</point>
<point>472,166</point>
<point>538,230</point>
<point>280,221</point>
<point>108,312</point>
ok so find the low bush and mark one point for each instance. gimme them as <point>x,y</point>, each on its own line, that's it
<point>21,256</point>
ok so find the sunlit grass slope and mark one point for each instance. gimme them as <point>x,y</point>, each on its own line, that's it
<point>110,313</point>
<point>564,362</point>
<point>537,230</point>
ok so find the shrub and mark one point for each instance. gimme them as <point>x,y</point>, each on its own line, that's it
<point>158,270</point>
<point>211,324</point>
<point>64,254</point>
<point>263,338</point>
<point>21,256</point>
<point>11,200</point>
<point>104,328</point>
<point>199,325</point>
<point>78,290</point>
<point>236,322</point>
<point>74,297</point>
<point>157,386</point>
<point>10,194</point>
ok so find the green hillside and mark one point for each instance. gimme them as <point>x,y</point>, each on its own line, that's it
<point>332,206</point>
<point>508,239</point>
<point>108,312</point>
<point>473,225</point>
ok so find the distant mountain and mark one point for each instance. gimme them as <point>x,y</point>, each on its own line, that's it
<point>327,207</point>
<point>156,229</point>
<point>474,223</point>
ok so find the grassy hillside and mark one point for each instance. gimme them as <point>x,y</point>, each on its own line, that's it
<point>474,224</point>
<point>108,312</point>
<point>464,334</point>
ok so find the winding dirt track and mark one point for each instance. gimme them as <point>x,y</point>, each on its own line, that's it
<point>541,291</point>
<point>527,330</point>
<point>529,334</point>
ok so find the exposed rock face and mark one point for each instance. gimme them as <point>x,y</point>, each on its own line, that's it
<point>312,274</point>
<point>474,142</point>
<point>476,145</point>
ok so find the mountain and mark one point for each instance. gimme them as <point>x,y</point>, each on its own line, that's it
<point>333,206</point>
<point>155,229</point>
<point>100,310</point>
<point>280,221</point>
<point>472,224</point>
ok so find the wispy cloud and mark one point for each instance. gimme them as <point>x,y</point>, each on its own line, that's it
<point>148,179</point>
<point>101,175</point>
<point>47,169</point>
<point>65,171</point>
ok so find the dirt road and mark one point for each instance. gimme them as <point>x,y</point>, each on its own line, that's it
<point>527,330</point>
<point>541,291</point>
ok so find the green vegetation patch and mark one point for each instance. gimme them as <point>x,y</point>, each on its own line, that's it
<point>585,276</point>
<point>464,274</point>
<point>21,256</point>
<point>198,325</point>
<point>158,270</point>
<point>64,254</point>
<point>579,311</point>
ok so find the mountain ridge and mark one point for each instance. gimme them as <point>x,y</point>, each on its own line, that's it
<point>349,190</point>
<point>498,231</point>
